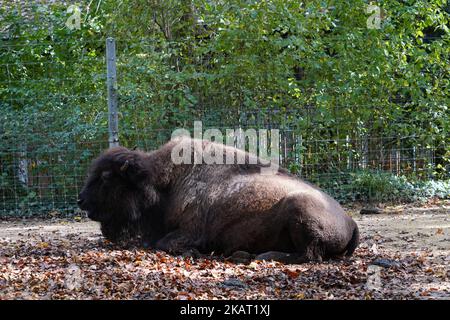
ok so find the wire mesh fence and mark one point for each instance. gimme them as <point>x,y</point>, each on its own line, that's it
<point>54,118</point>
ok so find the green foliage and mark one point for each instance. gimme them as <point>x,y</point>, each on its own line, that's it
<point>313,67</point>
<point>352,94</point>
<point>375,186</point>
<point>51,97</point>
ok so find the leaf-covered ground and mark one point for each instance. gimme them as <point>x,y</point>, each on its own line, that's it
<point>404,254</point>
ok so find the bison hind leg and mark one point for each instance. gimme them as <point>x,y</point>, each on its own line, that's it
<point>244,257</point>
<point>176,242</point>
<point>283,257</point>
<point>306,225</point>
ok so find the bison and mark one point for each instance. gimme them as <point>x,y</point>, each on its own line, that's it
<point>224,208</point>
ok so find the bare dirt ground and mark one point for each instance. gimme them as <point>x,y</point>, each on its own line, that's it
<point>404,254</point>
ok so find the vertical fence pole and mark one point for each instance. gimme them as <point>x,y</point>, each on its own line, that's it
<point>113,122</point>
<point>398,157</point>
<point>300,142</point>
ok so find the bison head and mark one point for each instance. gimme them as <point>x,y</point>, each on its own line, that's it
<point>118,192</point>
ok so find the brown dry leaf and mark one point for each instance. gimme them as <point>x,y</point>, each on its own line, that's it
<point>293,274</point>
<point>300,296</point>
<point>37,267</point>
<point>43,245</point>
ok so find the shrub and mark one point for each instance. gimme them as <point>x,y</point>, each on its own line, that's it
<point>374,186</point>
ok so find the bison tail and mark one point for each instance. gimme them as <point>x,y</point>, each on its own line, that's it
<point>353,243</point>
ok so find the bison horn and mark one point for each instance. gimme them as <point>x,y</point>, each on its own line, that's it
<point>124,166</point>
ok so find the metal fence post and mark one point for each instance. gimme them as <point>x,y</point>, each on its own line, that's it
<point>113,120</point>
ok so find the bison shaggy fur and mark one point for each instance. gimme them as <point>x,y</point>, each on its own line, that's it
<point>224,208</point>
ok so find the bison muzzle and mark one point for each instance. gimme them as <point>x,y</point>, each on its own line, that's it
<point>223,208</point>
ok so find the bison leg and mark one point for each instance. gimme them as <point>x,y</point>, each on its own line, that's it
<point>283,257</point>
<point>318,227</point>
<point>175,243</point>
<point>241,257</point>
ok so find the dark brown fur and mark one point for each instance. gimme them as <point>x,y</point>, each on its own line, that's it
<point>221,208</point>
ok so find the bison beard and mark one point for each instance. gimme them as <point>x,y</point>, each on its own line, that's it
<point>224,208</point>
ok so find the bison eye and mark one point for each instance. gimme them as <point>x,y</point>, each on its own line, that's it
<point>106,175</point>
